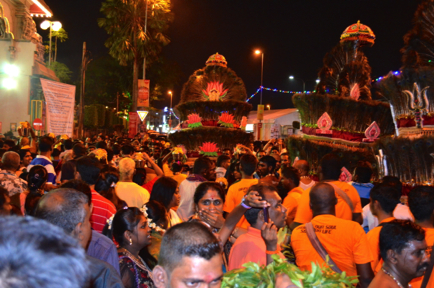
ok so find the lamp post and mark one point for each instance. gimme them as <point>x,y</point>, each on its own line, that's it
<point>257,52</point>
<point>304,84</point>
<point>53,25</point>
<point>170,111</point>
<point>260,114</point>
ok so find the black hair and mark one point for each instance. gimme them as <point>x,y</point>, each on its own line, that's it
<point>56,152</point>
<point>140,176</point>
<point>204,187</point>
<point>24,262</point>
<point>10,143</point>
<point>292,174</point>
<point>89,169</point>
<point>176,167</point>
<point>392,181</point>
<point>67,213</point>
<point>386,195</point>
<point>421,202</point>
<point>37,177</point>
<point>124,220</point>
<point>45,144</point>
<point>106,182</point>
<point>127,149</point>
<point>157,213</point>
<point>201,165</point>
<point>116,149</point>
<point>79,150</point>
<point>163,191</point>
<point>80,186</point>
<point>109,154</point>
<point>331,166</point>
<point>68,144</point>
<point>221,159</point>
<point>22,153</point>
<point>363,173</point>
<point>101,145</point>
<point>248,164</point>
<point>186,240</point>
<point>270,161</point>
<point>252,214</point>
<point>397,234</point>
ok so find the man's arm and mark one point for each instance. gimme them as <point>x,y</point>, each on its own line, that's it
<point>269,234</point>
<point>357,217</point>
<point>365,274</point>
<point>154,166</point>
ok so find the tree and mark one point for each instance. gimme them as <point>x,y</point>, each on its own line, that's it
<point>125,23</point>
<point>62,35</point>
<point>62,71</point>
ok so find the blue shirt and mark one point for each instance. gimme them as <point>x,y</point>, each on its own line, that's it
<point>44,161</point>
<point>102,248</point>
<point>364,189</point>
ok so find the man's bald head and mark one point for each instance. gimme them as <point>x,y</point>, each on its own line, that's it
<point>322,198</point>
<point>302,166</point>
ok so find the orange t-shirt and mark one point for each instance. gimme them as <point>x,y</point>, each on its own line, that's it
<point>235,195</point>
<point>291,201</point>
<point>374,244</point>
<point>343,211</point>
<point>345,242</point>
<point>429,238</point>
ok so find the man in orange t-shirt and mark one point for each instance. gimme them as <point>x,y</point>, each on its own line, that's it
<point>290,181</point>
<point>345,241</point>
<point>384,199</point>
<point>238,190</point>
<point>330,170</point>
<point>421,202</point>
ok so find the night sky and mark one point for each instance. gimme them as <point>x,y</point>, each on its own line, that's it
<point>294,35</point>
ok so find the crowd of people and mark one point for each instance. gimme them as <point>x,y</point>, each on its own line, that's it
<point>116,212</point>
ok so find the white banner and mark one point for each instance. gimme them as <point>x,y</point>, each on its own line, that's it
<point>60,100</point>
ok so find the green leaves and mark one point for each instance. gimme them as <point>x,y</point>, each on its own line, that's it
<point>253,275</point>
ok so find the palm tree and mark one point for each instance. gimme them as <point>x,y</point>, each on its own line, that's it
<point>125,23</point>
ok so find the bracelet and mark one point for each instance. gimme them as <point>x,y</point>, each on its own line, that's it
<point>245,205</point>
<point>272,252</point>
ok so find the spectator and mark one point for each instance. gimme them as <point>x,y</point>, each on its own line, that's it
<point>25,159</point>
<point>106,186</point>
<point>362,183</point>
<point>24,262</point>
<point>203,170</point>
<point>303,168</point>
<point>348,206</point>
<point>185,246</point>
<point>44,158</point>
<point>130,229</point>
<point>348,251</point>
<point>88,170</point>
<point>37,178</point>
<point>8,144</point>
<point>177,170</point>
<point>384,199</point>
<point>266,170</point>
<point>5,202</point>
<point>421,202</point>
<point>68,168</point>
<point>166,192</point>
<point>223,163</point>
<point>8,178</point>
<point>237,191</point>
<point>70,210</point>
<point>290,181</point>
<point>68,148</point>
<point>402,247</point>
<point>251,246</point>
<point>133,194</point>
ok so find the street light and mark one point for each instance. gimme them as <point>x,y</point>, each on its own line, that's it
<point>170,111</point>
<point>53,25</point>
<point>304,84</point>
<point>268,106</point>
<point>257,52</point>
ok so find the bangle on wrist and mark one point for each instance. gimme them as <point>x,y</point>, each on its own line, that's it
<point>245,205</point>
<point>272,252</point>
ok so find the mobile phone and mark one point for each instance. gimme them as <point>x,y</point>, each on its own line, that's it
<point>266,216</point>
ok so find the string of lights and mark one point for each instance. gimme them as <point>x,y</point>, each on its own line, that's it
<point>277,90</point>
<point>307,92</point>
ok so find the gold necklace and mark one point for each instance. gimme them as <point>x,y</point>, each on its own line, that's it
<point>394,279</point>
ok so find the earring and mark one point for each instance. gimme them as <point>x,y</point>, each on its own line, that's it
<point>131,242</point>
